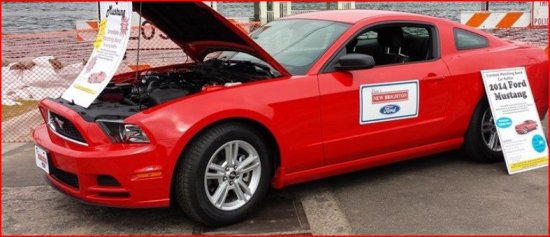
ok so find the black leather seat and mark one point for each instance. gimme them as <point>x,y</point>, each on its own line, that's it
<point>392,41</point>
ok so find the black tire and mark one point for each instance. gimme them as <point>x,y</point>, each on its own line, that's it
<point>189,190</point>
<point>474,146</point>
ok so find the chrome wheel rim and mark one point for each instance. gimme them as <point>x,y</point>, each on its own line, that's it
<point>232,175</point>
<point>489,132</point>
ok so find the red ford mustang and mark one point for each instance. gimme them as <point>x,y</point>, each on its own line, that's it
<point>302,98</point>
<point>526,127</point>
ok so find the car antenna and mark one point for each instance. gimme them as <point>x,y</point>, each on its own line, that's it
<point>138,83</point>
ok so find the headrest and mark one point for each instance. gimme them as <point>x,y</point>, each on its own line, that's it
<point>351,45</point>
<point>390,37</point>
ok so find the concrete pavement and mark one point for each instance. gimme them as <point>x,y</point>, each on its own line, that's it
<point>442,194</point>
<point>7,147</point>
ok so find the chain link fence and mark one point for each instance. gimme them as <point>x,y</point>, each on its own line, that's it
<point>41,65</point>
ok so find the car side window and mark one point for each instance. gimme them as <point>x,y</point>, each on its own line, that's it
<point>394,43</point>
<point>468,40</point>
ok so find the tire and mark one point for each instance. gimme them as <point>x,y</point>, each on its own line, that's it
<point>525,130</point>
<point>198,195</point>
<point>477,144</point>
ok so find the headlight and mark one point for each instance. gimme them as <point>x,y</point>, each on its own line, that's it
<point>120,132</point>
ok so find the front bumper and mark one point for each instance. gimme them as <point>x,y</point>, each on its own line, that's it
<point>118,175</point>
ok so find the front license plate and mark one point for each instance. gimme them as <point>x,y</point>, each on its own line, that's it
<point>41,157</point>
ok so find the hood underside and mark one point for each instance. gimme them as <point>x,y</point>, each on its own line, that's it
<point>198,30</point>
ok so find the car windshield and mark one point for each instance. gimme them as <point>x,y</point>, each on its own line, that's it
<point>295,43</point>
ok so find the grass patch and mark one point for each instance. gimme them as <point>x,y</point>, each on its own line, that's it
<point>9,112</point>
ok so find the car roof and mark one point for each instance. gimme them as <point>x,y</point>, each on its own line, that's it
<point>348,16</point>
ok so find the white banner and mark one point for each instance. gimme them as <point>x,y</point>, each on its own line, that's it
<point>539,13</point>
<point>109,48</point>
<point>516,119</point>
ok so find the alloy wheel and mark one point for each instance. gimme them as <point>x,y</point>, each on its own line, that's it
<point>232,175</point>
<point>489,132</point>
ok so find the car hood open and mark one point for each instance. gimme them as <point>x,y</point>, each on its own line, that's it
<point>199,30</point>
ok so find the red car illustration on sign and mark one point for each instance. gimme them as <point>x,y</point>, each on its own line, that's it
<point>282,106</point>
<point>526,127</point>
<point>97,77</point>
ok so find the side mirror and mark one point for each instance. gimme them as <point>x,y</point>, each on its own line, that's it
<point>354,61</point>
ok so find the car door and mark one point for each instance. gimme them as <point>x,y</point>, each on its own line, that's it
<point>384,109</point>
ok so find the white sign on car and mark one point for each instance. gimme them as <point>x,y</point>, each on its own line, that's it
<point>109,49</point>
<point>388,101</point>
<point>516,118</point>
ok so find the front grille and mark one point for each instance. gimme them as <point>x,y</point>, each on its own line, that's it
<point>65,177</point>
<point>64,127</point>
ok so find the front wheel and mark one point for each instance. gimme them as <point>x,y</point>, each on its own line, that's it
<point>481,141</point>
<point>223,175</point>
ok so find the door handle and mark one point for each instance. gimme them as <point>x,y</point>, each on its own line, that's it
<point>433,78</point>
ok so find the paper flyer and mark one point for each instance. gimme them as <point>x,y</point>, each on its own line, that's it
<point>109,49</point>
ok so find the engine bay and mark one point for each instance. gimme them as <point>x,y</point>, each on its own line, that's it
<point>121,100</point>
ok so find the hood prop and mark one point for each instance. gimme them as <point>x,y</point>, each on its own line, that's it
<point>138,83</point>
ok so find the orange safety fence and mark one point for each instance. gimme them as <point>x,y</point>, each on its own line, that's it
<point>40,65</point>
<point>36,66</point>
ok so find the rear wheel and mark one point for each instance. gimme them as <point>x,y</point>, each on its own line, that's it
<point>223,175</point>
<point>481,142</point>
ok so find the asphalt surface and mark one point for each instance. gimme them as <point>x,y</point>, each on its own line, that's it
<point>441,194</point>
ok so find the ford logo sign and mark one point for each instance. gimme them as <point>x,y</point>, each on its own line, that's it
<point>389,109</point>
<point>504,122</point>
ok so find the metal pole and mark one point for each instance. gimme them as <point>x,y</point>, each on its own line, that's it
<point>276,9</point>
<point>263,12</point>
<point>485,6</point>
<point>138,83</point>
<point>256,16</point>
<point>98,11</point>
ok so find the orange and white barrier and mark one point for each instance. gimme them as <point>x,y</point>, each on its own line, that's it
<point>86,30</point>
<point>495,20</point>
<point>87,25</point>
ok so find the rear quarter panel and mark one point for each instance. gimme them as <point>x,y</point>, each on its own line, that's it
<point>468,89</point>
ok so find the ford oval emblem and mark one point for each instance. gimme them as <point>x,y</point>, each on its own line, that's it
<point>504,122</point>
<point>389,109</point>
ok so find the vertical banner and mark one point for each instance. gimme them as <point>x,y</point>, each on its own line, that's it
<point>516,118</point>
<point>109,49</point>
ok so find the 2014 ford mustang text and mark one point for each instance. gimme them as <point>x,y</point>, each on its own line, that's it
<point>301,98</point>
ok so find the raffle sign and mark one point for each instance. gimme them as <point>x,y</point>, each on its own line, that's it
<point>109,48</point>
<point>516,119</point>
